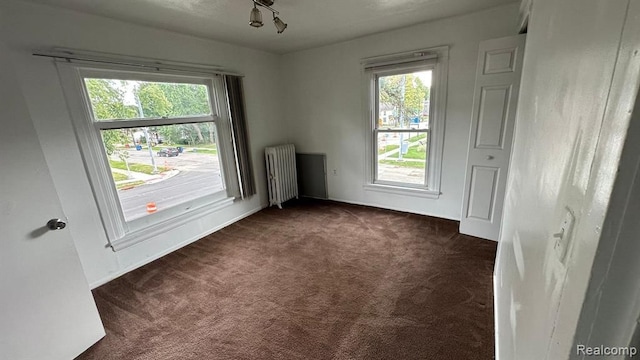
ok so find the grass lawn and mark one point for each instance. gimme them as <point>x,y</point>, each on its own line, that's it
<point>208,146</point>
<point>129,185</point>
<point>391,147</point>
<point>205,151</point>
<point>160,147</point>
<point>387,148</point>
<point>118,176</point>
<point>416,138</point>
<point>412,153</point>
<point>142,168</point>
<point>407,164</point>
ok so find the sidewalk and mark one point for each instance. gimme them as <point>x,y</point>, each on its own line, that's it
<point>401,174</point>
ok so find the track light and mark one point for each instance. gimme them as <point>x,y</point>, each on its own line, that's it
<point>256,16</point>
<point>280,25</point>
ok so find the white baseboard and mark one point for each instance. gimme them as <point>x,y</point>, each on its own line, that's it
<point>392,208</point>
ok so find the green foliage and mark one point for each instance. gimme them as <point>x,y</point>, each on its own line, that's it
<point>406,94</point>
<point>185,99</point>
<point>171,134</point>
<point>387,148</point>
<point>107,99</point>
<point>178,100</point>
<point>418,137</point>
<point>118,176</point>
<point>188,134</point>
<point>155,100</point>
<point>208,146</point>
<point>205,151</point>
<point>112,138</point>
<point>141,168</point>
<point>123,155</point>
<point>107,102</point>
<point>129,185</point>
<point>414,152</point>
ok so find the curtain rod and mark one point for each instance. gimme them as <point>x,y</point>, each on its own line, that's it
<point>122,60</point>
<point>414,55</point>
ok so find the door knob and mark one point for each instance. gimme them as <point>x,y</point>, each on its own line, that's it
<point>56,224</point>
<point>489,157</point>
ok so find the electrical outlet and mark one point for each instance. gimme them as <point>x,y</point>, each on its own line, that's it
<point>563,238</point>
<point>335,172</point>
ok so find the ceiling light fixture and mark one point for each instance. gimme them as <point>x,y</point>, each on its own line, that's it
<point>280,25</point>
<point>255,19</point>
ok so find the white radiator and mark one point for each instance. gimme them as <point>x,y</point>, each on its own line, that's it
<point>281,174</point>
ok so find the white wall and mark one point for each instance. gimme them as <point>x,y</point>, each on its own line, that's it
<point>321,110</point>
<point>612,303</point>
<point>574,109</point>
<point>324,97</point>
<point>26,27</point>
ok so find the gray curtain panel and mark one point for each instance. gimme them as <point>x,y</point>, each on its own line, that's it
<point>235,96</point>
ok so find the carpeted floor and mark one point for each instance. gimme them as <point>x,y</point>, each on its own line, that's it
<point>317,280</point>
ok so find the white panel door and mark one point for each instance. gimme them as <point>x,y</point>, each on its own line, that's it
<point>46,307</point>
<point>494,111</point>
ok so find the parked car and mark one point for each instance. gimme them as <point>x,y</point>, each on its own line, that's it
<point>168,152</point>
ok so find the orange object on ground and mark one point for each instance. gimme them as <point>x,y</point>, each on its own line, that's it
<point>151,207</point>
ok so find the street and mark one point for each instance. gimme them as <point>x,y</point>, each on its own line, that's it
<point>199,175</point>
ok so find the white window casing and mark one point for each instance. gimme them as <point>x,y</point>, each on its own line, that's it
<point>436,60</point>
<point>123,233</point>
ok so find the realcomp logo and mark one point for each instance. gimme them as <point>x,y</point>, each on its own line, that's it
<point>602,350</point>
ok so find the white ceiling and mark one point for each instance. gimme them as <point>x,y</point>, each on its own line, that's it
<point>311,22</point>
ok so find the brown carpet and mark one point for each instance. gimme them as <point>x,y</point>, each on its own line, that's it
<point>317,280</point>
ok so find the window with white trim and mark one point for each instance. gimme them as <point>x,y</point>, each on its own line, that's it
<point>406,98</point>
<point>157,145</point>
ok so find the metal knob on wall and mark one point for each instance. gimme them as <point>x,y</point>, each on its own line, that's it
<point>490,157</point>
<point>56,224</point>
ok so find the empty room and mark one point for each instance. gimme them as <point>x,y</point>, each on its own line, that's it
<point>280,179</point>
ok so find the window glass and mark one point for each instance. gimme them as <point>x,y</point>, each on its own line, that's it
<point>131,99</point>
<point>403,100</point>
<point>157,167</point>
<point>402,127</point>
<point>402,157</point>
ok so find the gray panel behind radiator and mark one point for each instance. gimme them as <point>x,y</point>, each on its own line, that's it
<point>312,175</point>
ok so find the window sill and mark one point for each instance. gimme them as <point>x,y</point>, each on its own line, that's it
<point>401,190</point>
<point>164,226</point>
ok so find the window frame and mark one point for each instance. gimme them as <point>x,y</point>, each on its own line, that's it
<point>122,233</point>
<point>435,60</point>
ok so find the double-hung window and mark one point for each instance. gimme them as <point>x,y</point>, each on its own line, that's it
<point>157,146</point>
<point>406,123</point>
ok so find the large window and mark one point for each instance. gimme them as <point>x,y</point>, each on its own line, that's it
<point>402,127</point>
<point>155,166</point>
<point>407,119</point>
<point>157,146</point>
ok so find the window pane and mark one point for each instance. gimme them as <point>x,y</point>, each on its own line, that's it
<point>403,100</point>
<point>402,157</point>
<point>162,166</point>
<point>130,99</point>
